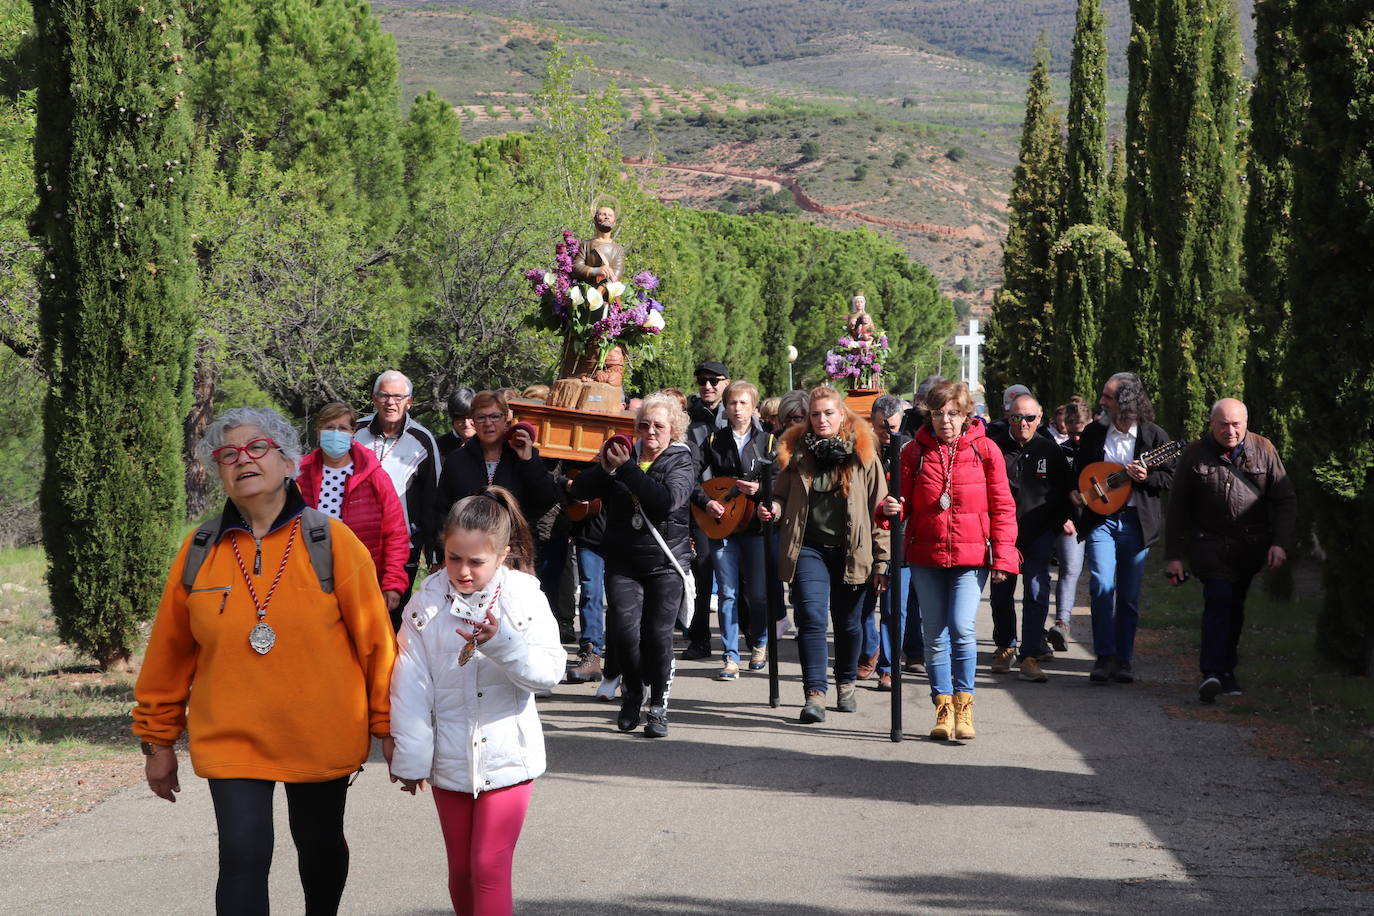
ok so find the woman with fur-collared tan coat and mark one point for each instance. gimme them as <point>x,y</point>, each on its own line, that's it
<point>829,489</point>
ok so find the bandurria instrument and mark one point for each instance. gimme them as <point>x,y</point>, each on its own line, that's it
<point>1106,487</point>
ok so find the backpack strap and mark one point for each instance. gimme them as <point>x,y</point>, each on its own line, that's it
<point>198,551</point>
<point>318,542</point>
<point>315,526</point>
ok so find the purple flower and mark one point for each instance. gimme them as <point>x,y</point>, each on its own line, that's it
<point>882,342</point>
<point>654,305</point>
<point>645,280</point>
<point>534,275</point>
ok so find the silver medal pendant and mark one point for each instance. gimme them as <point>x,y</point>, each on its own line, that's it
<point>262,638</point>
<point>637,522</point>
<point>944,501</point>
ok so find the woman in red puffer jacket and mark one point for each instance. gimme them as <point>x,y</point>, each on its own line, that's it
<point>961,529</point>
<point>345,480</point>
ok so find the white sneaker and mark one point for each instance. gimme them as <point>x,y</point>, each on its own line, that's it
<point>608,688</point>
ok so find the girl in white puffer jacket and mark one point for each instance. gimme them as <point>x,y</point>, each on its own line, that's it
<point>477,640</point>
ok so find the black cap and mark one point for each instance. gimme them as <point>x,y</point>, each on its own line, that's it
<point>713,368</point>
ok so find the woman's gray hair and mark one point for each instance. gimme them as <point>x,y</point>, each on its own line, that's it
<point>270,423</point>
<point>677,417</point>
<point>792,402</point>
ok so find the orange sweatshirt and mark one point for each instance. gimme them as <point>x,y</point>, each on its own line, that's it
<point>303,711</point>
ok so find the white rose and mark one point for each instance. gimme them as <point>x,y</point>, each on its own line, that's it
<point>575,294</point>
<point>654,320</point>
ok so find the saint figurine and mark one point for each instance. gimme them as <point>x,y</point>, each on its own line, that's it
<point>856,312</point>
<point>601,259</point>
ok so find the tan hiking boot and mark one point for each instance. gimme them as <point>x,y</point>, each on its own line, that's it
<point>963,716</point>
<point>1031,671</point>
<point>944,718</point>
<point>587,669</point>
<point>1002,661</point>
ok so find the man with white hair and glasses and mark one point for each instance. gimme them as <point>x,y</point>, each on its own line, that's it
<point>410,456</point>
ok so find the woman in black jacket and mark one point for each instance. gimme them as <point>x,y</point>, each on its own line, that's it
<point>646,486</point>
<point>741,449</point>
<point>488,459</point>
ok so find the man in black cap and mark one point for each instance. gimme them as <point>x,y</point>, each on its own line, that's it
<point>705,414</point>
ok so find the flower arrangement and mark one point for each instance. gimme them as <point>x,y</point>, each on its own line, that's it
<point>626,314</point>
<point>857,360</point>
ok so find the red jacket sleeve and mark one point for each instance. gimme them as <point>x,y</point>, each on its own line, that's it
<point>395,537</point>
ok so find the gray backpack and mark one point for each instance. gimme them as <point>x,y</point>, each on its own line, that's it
<point>315,526</point>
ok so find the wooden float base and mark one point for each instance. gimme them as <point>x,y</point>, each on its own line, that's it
<point>569,433</point>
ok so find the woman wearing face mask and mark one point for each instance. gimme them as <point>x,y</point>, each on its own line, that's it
<point>345,480</point>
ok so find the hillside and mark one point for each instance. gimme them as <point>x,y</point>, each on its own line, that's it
<point>899,116</point>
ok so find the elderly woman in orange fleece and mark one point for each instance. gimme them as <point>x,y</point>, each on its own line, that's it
<point>274,656</point>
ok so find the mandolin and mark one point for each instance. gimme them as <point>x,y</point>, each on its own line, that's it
<point>739,509</point>
<point>1106,487</point>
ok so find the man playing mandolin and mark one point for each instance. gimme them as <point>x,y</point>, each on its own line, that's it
<point>1118,542</point>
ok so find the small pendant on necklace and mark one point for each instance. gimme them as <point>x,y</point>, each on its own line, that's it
<point>944,500</point>
<point>465,655</point>
<point>262,638</point>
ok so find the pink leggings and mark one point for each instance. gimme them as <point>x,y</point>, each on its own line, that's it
<point>480,835</point>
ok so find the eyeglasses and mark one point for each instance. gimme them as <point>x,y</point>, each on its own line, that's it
<point>229,454</point>
<point>944,415</point>
<point>794,418</point>
<point>713,382</point>
<point>1022,417</point>
<point>644,426</point>
<point>488,418</point>
<point>391,397</point>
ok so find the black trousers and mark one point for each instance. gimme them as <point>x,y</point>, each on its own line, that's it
<point>243,812</point>
<point>641,612</point>
<point>699,633</point>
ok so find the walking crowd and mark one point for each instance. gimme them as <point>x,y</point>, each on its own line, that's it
<point>437,583</point>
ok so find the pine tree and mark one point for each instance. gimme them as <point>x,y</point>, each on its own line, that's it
<point>112,147</point>
<point>1329,268</point>
<point>1081,254</point>
<point>1277,103</point>
<point>1023,311</point>
<point>1196,211</point>
<point>1131,338</point>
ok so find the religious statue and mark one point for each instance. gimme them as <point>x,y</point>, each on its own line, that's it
<point>601,259</point>
<point>857,358</point>
<point>856,312</point>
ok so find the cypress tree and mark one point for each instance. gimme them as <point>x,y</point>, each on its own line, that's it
<point>1081,254</point>
<point>1019,332</point>
<point>1131,339</point>
<point>1331,270</point>
<point>1277,103</point>
<point>111,149</point>
<point>1196,206</point>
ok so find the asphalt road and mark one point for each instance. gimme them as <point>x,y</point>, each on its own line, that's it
<point>1073,799</point>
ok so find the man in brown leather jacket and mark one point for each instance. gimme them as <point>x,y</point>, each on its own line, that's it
<point>1231,513</point>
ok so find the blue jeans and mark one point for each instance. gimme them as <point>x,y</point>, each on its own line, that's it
<point>877,637</point>
<point>1070,550</point>
<point>949,607</point>
<point>817,588</point>
<point>591,578</point>
<point>1035,600</point>
<point>1116,568</point>
<point>1223,616</point>
<point>738,563</point>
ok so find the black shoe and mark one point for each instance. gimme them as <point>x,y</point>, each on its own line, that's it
<point>1055,637</point>
<point>695,652</point>
<point>1124,674</point>
<point>1208,691</point>
<point>1230,687</point>
<point>566,634</point>
<point>628,720</point>
<point>1102,671</point>
<point>657,726</point>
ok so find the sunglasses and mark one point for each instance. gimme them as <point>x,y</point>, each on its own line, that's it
<point>713,382</point>
<point>230,454</point>
<point>1023,417</point>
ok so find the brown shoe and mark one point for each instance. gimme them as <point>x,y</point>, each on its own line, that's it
<point>884,683</point>
<point>1031,671</point>
<point>867,666</point>
<point>587,669</point>
<point>1002,661</point>
<point>963,716</point>
<point>944,718</point>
